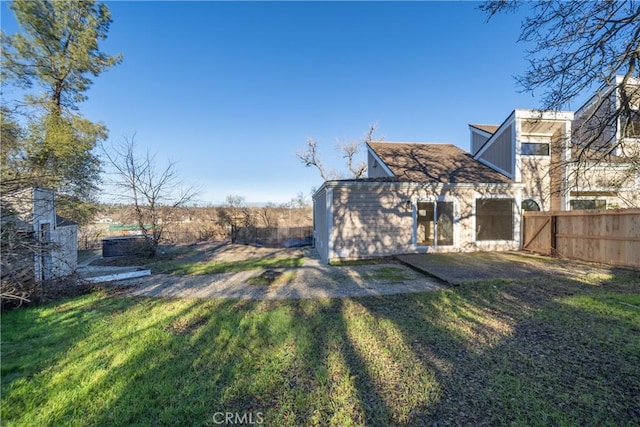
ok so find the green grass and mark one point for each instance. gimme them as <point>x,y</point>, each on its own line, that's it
<point>175,265</point>
<point>387,274</point>
<point>495,352</point>
<point>215,267</point>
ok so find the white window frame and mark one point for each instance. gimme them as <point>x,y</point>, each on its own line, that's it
<point>456,221</point>
<point>517,214</point>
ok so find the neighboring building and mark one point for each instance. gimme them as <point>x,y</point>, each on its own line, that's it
<point>29,216</point>
<point>421,197</point>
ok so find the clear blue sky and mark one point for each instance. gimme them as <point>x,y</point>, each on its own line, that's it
<point>230,91</point>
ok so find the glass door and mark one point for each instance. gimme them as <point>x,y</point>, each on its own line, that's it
<point>434,224</point>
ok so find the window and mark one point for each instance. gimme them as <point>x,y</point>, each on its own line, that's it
<point>494,219</point>
<point>435,223</point>
<point>530,205</point>
<point>577,205</point>
<point>534,149</point>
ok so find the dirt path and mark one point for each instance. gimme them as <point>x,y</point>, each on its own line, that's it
<point>312,280</point>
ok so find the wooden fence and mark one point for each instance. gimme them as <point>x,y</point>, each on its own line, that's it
<point>605,236</point>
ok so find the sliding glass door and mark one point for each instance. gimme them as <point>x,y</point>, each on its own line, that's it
<point>434,226</point>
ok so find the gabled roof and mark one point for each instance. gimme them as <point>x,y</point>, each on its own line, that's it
<point>486,128</point>
<point>445,163</point>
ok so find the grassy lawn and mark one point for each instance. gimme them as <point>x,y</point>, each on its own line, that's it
<point>527,352</point>
<point>179,260</point>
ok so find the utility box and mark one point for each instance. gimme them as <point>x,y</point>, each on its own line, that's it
<point>124,246</point>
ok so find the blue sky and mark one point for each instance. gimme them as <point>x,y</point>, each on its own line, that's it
<point>230,91</point>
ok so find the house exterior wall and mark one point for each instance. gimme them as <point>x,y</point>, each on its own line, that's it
<point>65,251</point>
<point>320,224</point>
<point>379,219</point>
<point>590,123</point>
<point>374,168</point>
<point>477,141</point>
<point>33,211</point>
<point>618,185</point>
<point>537,180</point>
<point>500,154</point>
<point>593,124</point>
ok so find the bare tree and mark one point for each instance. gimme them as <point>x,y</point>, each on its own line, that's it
<point>268,215</point>
<point>156,194</point>
<point>578,46</point>
<point>348,150</point>
<point>235,214</point>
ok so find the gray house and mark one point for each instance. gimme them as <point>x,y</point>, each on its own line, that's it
<point>46,244</point>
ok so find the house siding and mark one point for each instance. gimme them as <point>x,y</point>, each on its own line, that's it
<point>477,141</point>
<point>374,168</point>
<point>373,222</point>
<point>320,226</point>
<point>65,252</point>
<point>34,211</point>
<point>500,152</point>
<point>376,220</point>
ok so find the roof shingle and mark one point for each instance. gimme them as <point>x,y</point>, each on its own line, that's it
<point>445,163</point>
<point>486,128</point>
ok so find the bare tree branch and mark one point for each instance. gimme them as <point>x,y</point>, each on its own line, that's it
<point>156,194</point>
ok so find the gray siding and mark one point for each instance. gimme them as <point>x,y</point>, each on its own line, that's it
<point>371,222</point>
<point>375,220</point>
<point>500,151</point>
<point>320,228</point>
<point>477,141</point>
<point>374,169</point>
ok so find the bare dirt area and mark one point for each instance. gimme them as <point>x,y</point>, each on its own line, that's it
<point>312,279</point>
<point>458,268</point>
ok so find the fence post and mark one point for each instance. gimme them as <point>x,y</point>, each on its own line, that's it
<point>554,238</point>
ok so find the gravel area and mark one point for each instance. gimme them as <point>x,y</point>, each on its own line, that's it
<point>312,280</point>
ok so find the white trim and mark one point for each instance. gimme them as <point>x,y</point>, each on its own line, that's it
<point>496,168</point>
<point>516,149</point>
<point>412,185</point>
<point>455,221</point>
<point>495,136</point>
<point>379,160</point>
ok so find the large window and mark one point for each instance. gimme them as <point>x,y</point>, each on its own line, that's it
<point>578,205</point>
<point>494,219</point>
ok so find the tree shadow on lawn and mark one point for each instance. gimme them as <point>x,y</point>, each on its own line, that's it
<point>542,353</point>
<point>491,352</point>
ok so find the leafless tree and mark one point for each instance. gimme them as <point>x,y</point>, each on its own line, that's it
<point>235,214</point>
<point>348,151</point>
<point>156,194</point>
<point>268,215</point>
<point>579,46</point>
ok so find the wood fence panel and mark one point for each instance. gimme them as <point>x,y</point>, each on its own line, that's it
<point>606,236</point>
<point>536,233</point>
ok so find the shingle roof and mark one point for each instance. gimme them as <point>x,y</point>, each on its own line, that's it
<point>487,128</point>
<point>446,163</point>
